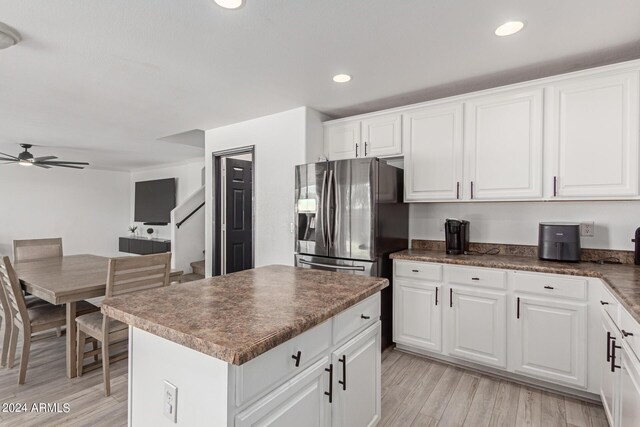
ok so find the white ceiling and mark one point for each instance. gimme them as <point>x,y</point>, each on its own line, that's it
<point>103,80</point>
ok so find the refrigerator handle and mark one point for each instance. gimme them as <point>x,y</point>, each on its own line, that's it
<point>321,210</point>
<point>328,210</point>
<point>336,213</point>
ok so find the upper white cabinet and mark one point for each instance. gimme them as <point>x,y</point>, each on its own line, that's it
<point>375,136</point>
<point>342,140</point>
<point>434,158</point>
<point>382,136</point>
<point>594,135</point>
<point>503,142</point>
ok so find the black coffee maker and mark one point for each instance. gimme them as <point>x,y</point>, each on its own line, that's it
<point>456,233</point>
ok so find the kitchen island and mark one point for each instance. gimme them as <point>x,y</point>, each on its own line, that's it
<point>275,345</point>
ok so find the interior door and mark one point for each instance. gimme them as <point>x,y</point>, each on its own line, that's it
<point>310,208</point>
<point>238,215</point>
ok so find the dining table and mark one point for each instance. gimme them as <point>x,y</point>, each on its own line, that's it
<point>67,280</point>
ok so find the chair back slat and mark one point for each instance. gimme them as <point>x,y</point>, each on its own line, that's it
<point>13,292</point>
<point>33,249</point>
<point>132,274</point>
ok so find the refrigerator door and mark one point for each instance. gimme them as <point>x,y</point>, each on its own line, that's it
<point>339,209</point>
<point>363,268</point>
<point>310,201</point>
<point>362,209</point>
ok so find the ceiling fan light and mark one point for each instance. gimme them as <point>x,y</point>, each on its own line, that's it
<point>229,4</point>
<point>8,36</point>
<point>25,163</point>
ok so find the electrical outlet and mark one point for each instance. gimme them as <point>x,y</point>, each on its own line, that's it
<point>586,229</point>
<point>170,403</point>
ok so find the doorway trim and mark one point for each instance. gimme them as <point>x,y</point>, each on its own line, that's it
<point>216,177</point>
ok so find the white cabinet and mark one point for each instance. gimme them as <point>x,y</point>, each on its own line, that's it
<point>503,144</point>
<point>382,136</point>
<point>594,134</point>
<point>342,140</point>
<point>375,136</point>
<point>477,326</point>
<point>550,340</point>
<point>417,314</point>
<point>302,398</point>
<point>629,388</point>
<point>433,154</point>
<point>609,380</point>
<point>356,383</point>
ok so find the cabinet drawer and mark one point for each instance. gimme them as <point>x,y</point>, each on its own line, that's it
<point>475,276</point>
<point>418,270</point>
<point>609,304</point>
<point>550,285</point>
<point>356,318</point>
<point>275,366</point>
<point>630,330</point>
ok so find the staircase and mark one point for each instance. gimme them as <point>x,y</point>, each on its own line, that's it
<point>197,269</point>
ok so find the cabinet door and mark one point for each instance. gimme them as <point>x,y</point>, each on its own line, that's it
<point>357,387</point>
<point>629,389</point>
<point>417,314</point>
<point>477,326</point>
<point>550,340</point>
<point>609,380</point>
<point>342,140</point>
<point>434,158</point>
<point>382,136</point>
<point>301,398</point>
<point>594,127</point>
<point>503,142</point>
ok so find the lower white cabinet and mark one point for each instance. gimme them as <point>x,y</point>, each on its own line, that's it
<point>550,340</point>
<point>610,379</point>
<point>418,315</point>
<point>629,388</point>
<point>477,326</point>
<point>302,398</point>
<point>356,381</point>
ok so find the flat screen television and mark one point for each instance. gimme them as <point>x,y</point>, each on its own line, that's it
<point>154,201</point>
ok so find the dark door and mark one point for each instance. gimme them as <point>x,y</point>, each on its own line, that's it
<point>239,251</point>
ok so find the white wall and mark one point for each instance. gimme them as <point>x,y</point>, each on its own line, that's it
<point>517,222</point>
<point>189,179</point>
<point>88,208</point>
<point>281,141</point>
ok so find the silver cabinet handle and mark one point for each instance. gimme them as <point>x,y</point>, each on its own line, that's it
<point>337,267</point>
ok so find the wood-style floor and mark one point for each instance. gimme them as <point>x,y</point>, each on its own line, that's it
<point>422,392</point>
<point>415,392</point>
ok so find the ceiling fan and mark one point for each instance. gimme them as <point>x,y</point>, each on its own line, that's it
<point>26,159</point>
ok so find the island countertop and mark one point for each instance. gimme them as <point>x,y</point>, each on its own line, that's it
<point>239,316</point>
<point>622,279</point>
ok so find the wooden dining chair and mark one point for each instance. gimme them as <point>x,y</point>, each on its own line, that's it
<point>29,320</point>
<point>125,275</point>
<point>34,249</point>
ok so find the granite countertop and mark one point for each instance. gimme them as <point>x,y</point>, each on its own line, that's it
<point>239,316</point>
<point>622,279</point>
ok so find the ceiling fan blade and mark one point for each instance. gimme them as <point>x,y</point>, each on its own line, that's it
<point>62,162</point>
<point>64,166</point>
<point>7,159</point>
<point>45,158</point>
<point>41,166</point>
<point>9,155</point>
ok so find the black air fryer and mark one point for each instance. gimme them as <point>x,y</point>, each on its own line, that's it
<point>559,241</point>
<point>456,233</point>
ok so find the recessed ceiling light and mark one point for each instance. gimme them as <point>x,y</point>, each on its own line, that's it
<point>509,28</point>
<point>341,78</point>
<point>8,36</point>
<point>229,4</point>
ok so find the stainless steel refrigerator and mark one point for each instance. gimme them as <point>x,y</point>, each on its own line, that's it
<point>349,216</point>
